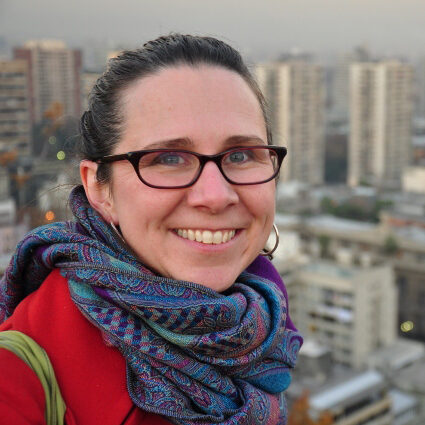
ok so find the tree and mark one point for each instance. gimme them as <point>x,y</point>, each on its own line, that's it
<point>390,245</point>
<point>324,242</point>
<point>56,132</point>
<point>300,415</point>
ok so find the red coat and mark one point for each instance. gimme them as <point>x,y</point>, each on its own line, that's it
<point>91,375</point>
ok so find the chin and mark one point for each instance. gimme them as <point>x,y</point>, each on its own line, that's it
<point>214,280</point>
<point>217,287</point>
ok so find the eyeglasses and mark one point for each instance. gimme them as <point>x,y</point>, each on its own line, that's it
<point>179,168</point>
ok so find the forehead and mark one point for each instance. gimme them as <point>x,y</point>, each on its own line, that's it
<point>199,103</point>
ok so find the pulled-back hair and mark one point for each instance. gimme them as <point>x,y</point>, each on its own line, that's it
<point>101,124</point>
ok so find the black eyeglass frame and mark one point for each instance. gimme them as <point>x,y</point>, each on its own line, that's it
<point>134,158</point>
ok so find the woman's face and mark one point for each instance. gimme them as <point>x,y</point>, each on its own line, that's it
<point>207,110</point>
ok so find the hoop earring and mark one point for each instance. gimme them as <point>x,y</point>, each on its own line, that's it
<point>117,232</point>
<point>271,251</point>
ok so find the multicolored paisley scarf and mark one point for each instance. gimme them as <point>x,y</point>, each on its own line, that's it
<point>193,355</point>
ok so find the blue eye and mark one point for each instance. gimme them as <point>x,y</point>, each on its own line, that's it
<point>170,158</point>
<point>247,157</point>
<point>238,156</point>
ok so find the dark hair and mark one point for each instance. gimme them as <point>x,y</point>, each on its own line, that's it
<point>100,126</point>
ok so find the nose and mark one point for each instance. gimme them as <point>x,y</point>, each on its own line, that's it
<point>211,191</point>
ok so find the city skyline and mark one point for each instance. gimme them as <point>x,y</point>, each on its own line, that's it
<point>352,245</point>
<point>262,30</point>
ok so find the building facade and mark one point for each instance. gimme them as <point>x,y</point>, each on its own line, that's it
<point>294,91</point>
<point>15,124</point>
<point>351,310</point>
<point>339,90</point>
<point>400,243</point>
<point>362,399</point>
<point>420,89</point>
<point>414,179</point>
<point>54,77</point>
<point>88,81</point>
<point>380,123</point>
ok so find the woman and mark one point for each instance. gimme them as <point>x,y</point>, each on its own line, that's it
<point>155,306</point>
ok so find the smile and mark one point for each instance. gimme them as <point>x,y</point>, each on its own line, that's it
<point>207,236</point>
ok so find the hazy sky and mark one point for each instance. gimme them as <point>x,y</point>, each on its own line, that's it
<point>259,28</point>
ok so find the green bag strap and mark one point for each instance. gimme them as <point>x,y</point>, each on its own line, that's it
<point>37,359</point>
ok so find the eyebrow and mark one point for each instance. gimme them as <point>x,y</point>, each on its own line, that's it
<point>243,140</point>
<point>180,142</point>
<point>186,143</point>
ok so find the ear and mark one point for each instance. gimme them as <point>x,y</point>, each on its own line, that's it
<point>98,194</point>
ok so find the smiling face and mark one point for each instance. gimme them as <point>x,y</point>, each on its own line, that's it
<point>207,110</point>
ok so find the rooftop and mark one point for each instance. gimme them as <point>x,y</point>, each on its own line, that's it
<point>401,402</point>
<point>46,44</point>
<point>399,354</point>
<point>346,390</point>
<point>412,233</point>
<point>312,348</point>
<point>291,189</point>
<point>340,224</point>
<point>331,269</point>
<point>285,220</point>
<point>412,378</point>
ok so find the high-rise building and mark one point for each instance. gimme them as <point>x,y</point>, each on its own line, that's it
<point>380,123</point>
<point>351,310</point>
<point>4,184</point>
<point>54,77</point>
<point>15,126</point>
<point>420,89</point>
<point>294,90</point>
<point>399,239</point>
<point>88,81</point>
<point>339,88</point>
<point>414,179</point>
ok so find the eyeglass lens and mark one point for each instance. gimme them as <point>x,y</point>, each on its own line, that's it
<point>177,168</point>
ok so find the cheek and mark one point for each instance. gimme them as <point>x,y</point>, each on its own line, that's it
<point>262,202</point>
<point>127,195</point>
<point>261,206</point>
<point>139,207</point>
<point>268,203</point>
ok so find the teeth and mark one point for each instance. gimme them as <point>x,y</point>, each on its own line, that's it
<point>206,236</point>
<point>217,237</point>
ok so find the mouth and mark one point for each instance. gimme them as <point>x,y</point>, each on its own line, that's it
<point>207,236</point>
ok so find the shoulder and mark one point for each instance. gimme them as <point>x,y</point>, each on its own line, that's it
<point>22,399</point>
<point>21,394</point>
<point>89,373</point>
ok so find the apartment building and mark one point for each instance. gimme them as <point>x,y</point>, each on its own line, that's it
<point>413,179</point>
<point>380,123</point>
<point>54,77</point>
<point>88,81</point>
<point>420,88</point>
<point>351,310</point>
<point>294,90</point>
<point>339,90</point>
<point>348,397</point>
<point>15,124</point>
<point>350,242</point>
